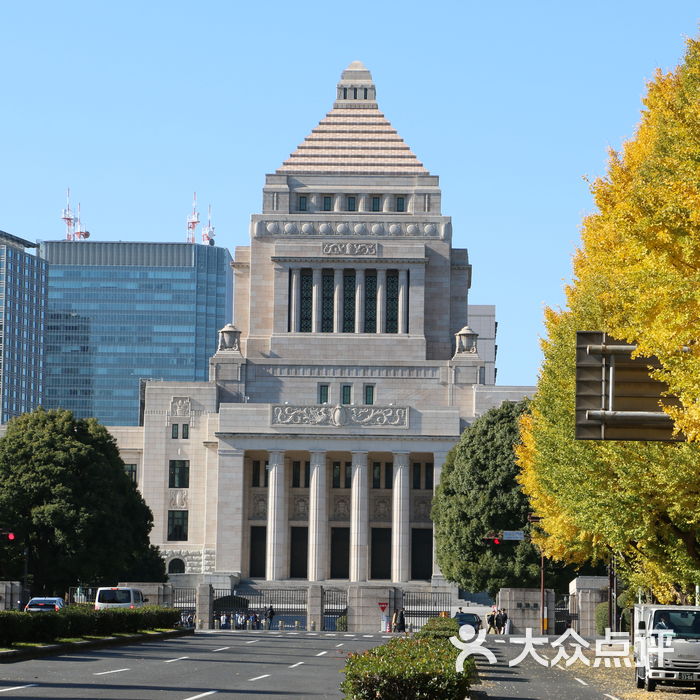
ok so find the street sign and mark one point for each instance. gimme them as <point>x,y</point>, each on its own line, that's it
<point>513,535</point>
<point>383,606</point>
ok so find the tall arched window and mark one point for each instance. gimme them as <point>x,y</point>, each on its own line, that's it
<point>176,566</point>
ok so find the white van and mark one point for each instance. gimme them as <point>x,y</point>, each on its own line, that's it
<point>119,597</point>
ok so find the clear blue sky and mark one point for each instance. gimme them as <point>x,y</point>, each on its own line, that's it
<point>136,104</point>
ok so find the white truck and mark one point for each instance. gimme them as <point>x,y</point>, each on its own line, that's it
<point>667,645</point>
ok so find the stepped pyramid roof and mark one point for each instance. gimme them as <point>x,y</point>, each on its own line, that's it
<point>354,138</point>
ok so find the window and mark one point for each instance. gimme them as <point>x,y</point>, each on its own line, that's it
<point>177,525</point>
<point>392,301</point>
<point>352,203</point>
<point>306,292</point>
<point>345,93</point>
<point>258,469</point>
<point>388,474</point>
<point>296,475</point>
<point>307,474</point>
<point>302,202</point>
<point>336,475</point>
<point>400,204</point>
<point>173,433</point>
<point>176,566</point>
<point>416,475</point>
<point>131,472</point>
<point>323,393</point>
<point>371,301</point>
<point>346,393</point>
<point>376,475</point>
<point>349,301</point>
<point>366,92</point>
<point>327,301</point>
<point>429,471</point>
<point>185,431</point>
<point>327,202</point>
<point>376,203</point>
<point>354,93</point>
<point>256,473</point>
<point>369,394</point>
<point>348,475</point>
<point>179,474</point>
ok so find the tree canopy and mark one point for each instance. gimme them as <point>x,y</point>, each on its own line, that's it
<point>478,494</point>
<point>636,277</point>
<point>65,494</point>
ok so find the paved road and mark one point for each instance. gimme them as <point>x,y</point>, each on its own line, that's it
<point>258,665</point>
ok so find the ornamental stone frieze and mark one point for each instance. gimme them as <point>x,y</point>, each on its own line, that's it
<point>340,508</point>
<point>348,228</point>
<point>340,416</point>
<point>259,509</point>
<point>178,499</point>
<point>348,248</point>
<point>191,557</point>
<point>421,508</point>
<point>381,509</point>
<point>300,508</point>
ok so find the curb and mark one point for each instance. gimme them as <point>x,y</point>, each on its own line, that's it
<point>14,655</point>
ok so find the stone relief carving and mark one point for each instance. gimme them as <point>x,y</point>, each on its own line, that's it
<point>229,338</point>
<point>382,509</point>
<point>326,371</point>
<point>259,507</point>
<point>421,508</point>
<point>341,508</point>
<point>344,228</point>
<point>349,248</point>
<point>180,406</point>
<point>192,558</point>
<point>178,499</point>
<point>337,416</point>
<point>301,508</point>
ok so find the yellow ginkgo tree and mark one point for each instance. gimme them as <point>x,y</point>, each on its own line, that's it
<point>636,277</point>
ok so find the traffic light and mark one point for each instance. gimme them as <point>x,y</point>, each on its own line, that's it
<point>6,534</point>
<point>10,536</point>
<point>492,538</point>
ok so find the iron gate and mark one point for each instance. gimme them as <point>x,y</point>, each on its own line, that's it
<point>420,607</point>
<point>335,605</point>
<point>185,600</point>
<point>562,617</point>
<point>289,604</point>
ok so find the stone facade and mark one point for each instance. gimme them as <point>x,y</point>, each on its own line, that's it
<point>313,451</point>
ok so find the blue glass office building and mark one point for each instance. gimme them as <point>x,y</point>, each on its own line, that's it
<point>119,312</point>
<point>23,292</point>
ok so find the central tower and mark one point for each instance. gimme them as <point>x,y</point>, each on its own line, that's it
<point>351,253</point>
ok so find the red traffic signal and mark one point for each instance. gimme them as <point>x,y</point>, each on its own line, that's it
<point>10,535</point>
<point>496,540</point>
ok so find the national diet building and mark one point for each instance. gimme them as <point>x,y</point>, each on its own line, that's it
<point>349,370</point>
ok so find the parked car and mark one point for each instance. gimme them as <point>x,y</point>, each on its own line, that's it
<point>44,605</point>
<point>464,618</point>
<point>119,597</point>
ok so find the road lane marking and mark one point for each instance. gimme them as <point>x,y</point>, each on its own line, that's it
<point>292,632</point>
<point>257,678</point>
<point>202,695</point>
<point>329,634</point>
<point>612,697</point>
<point>179,658</point>
<point>222,648</point>
<point>387,636</point>
<point>252,641</point>
<point>580,681</point>
<point>18,687</point>
<point>339,645</point>
<point>368,636</point>
<point>116,670</point>
<point>321,653</point>
<point>298,663</point>
<point>500,641</point>
<point>348,635</point>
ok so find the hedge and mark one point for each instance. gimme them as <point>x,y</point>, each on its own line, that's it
<point>407,667</point>
<point>76,621</point>
<point>439,628</point>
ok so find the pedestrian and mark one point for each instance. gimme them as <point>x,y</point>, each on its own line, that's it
<point>506,621</point>
<point>394,619</point>
<point>491,622</point>
<point>500,622</point>
<point>270,616</point>
<point>223,621</point>
<point>401,621</point>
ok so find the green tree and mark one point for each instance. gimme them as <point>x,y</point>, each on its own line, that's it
<point>66,496</point>
<point>477,495</point>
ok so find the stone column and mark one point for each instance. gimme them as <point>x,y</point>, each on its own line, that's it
<point>359,523</point>
<point>338,300</point>
<point>381,300</point>
<point>338,202</point>
<point>438,460</point>
<point>229,501</point>
<point>276,565</point>
<point>400,520</point>
<point>403,301</point>
<point>316,301</point>
<point>294,300</point>
<point>318,519</point>
<point>386,202</point>
<point>362,203</point>
<point>360,300</point>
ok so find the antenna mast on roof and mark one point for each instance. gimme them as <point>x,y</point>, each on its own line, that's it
<point>208,230</point>
<point>192,220</point>
<point>68,217</point>
<point>80,232</point>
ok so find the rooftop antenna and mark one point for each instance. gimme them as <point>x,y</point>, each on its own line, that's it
<point>208,230</point>
<point>68,217</point>
<point>80,232</point>
<point>192,220</point>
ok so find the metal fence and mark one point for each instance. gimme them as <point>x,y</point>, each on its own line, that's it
<point>289,604</point>
<point>335,605</point>
<point>420,607</point>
